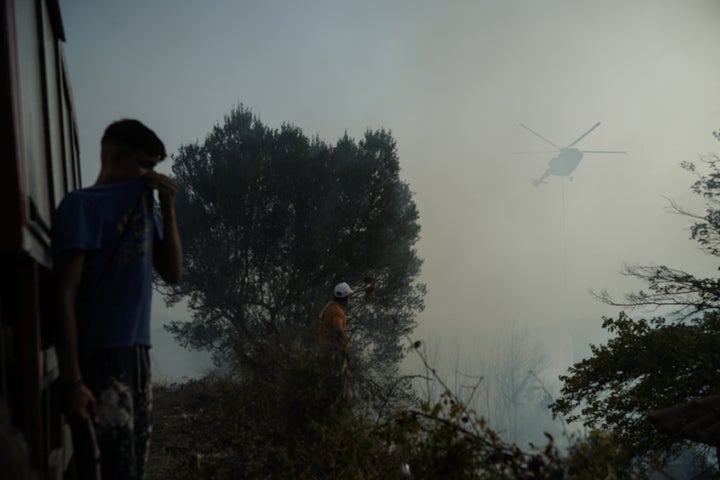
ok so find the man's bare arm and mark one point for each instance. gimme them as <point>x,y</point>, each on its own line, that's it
<point>167,258</point>
<point>68,275</point>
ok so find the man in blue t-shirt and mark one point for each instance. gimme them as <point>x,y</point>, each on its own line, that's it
<point>106,240</point>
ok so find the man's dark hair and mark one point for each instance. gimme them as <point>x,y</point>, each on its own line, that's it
<point>135,136</point>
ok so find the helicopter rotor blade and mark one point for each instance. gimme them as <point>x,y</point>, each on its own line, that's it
<point>538,135</point>
<point>585,134</point>
<point>602,151</point>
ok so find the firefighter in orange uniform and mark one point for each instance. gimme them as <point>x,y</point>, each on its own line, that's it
<point>334,345</point>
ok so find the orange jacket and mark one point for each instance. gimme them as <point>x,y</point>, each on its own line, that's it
<point>333,328</point>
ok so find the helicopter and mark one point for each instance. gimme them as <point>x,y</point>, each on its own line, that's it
<point>568,159</point>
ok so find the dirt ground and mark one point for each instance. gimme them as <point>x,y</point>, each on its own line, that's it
<point>182,437</point>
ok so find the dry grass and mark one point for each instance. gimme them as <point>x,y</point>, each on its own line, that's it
<point>185,439</point>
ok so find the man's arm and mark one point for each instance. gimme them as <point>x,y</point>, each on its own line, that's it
<point>167,258</point>
<point>68,274</point>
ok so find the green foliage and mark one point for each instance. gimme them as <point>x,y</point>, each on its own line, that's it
<point>273,420</point>
<point>271,220</point>
<point>600,455</point>
<point>648,364</point>
<point>707,186</point>
<point>285,425</point>
<point>660,362</point>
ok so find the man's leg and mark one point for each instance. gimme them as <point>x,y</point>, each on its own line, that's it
<point>115,376</point>
<point>143,413</point>
<point>115,428</point>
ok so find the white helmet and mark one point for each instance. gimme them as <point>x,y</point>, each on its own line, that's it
<point>342,290</point>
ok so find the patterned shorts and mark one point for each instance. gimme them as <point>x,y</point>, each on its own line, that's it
<point>120,380</point>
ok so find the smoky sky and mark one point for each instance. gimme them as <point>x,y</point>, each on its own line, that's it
<point>452,81</point>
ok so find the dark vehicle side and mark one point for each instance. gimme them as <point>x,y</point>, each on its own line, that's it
<point>38,166</point>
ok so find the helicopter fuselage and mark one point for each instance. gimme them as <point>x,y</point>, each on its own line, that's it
<point>565,163</point>
<point>562,165</point>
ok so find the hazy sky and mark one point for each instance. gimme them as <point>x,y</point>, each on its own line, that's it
<point>452,80</point>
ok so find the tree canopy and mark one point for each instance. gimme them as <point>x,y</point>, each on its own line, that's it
<point>658,362</point>
<point>271,220</point>
<point>648,364</point>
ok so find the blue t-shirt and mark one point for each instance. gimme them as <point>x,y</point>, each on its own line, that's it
<point>115,225</point>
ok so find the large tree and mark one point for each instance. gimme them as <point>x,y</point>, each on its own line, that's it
<point>271,220</point>
<point>657,362</point>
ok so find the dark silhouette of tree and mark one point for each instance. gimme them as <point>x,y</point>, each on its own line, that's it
<point>271,220</point>
<point>659,362</point>
<point>648,364</point>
